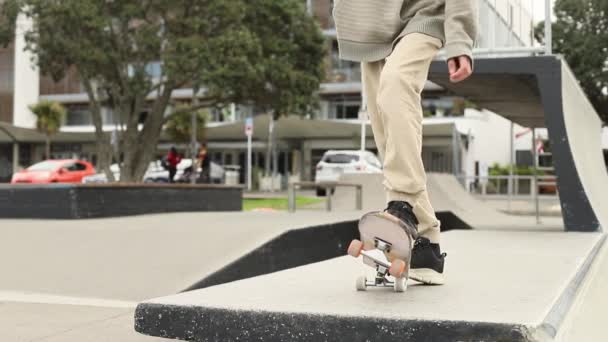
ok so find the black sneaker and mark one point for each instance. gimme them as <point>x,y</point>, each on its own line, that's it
<point>427,262</point>
<point>403,211</point>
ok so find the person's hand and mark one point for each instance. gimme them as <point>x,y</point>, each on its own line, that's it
<point>460,68</point>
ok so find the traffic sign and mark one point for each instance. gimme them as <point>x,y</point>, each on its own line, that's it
<point>249,127</point>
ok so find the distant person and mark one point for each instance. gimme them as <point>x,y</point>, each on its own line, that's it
<point>173,159</point>
<point>204,162</point>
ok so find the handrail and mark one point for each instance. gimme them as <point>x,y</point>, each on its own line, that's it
<point>328,186</point>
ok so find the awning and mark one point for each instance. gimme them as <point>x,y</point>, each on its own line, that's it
<point>294,127</point>
<point>14,134</point>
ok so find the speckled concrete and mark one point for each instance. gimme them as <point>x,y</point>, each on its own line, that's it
<point>73,281</point>
<point>135,258</point>
<point>503,282</point>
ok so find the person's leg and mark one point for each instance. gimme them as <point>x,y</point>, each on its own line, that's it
<point>371,83</point>
<point>172,172</point>
<point>399,105</point>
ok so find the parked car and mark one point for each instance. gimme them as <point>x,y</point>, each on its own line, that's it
<point>336,163</point>
<point>157,174</point>
<point>55,171</point>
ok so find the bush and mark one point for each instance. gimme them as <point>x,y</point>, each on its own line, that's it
<point>518,170</point>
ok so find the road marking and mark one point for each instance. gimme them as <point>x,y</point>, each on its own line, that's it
<point>43,298</point>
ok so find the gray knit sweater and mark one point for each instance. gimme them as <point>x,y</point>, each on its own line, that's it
<point>368,29</point>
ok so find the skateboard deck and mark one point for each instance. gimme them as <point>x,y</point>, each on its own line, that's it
<point>383,232</point>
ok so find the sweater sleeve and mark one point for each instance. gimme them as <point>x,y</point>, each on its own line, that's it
<point>460,27</point>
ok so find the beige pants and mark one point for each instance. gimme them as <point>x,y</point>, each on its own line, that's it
<point>393,89</point>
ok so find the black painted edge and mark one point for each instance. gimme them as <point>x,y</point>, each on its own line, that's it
<point>299,247</point>
<point>293,248</point>
<point>214,324</point>
<point>71,202</point>
<point>450,221</point>
<point>556,316</point>
<point>578,214</point>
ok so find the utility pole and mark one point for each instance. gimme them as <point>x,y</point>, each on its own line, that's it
<point>193,136</point>
<point>548,29</point>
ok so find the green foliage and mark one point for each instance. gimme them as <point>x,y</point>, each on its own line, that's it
<point>518,170</point>
<point>293,50</point>
<point>263,52</point>
<point>250,204</point>
<point>49,116</point>
<point>580,33</point>
<point>8,16</point>
<point>179,126</point>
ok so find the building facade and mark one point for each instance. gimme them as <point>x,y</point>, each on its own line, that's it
<point>503,23</point>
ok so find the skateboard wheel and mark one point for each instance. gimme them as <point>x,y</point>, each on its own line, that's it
<point>397,268</point>
<point>400,285</point>
<point>361,283</point>
<point>355,248</point>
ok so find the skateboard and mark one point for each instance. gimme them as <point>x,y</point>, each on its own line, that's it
<point>383,232</point>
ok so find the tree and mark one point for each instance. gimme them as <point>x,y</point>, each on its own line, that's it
<point>8,18</point>
<point>179,127</point>
<point>213,43</point>
<point>580,33</point>
<point>49,117</point>
<point>291,63</point>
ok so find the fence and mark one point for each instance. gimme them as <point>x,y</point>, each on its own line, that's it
<point>513,187</point>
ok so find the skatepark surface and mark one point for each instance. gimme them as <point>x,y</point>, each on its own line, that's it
<point>319,301</point>
<point>81,280</point>
<point>447,195</point>
<point>508,279</point>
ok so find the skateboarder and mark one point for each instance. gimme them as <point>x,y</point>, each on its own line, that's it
<point>396,40</point>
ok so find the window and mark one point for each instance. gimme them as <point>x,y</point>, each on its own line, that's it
<point>341,70</point>
<point>346,107</point>
<point>48,165</point>
<point>372,160</point>
<point>75,167</point>
<point>78,115</point>
<point>340,158</point>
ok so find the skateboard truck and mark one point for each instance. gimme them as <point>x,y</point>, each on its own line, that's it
<point>383,268</point>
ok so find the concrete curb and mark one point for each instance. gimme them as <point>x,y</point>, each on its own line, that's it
<point>194,323</point>
<point>76,201</point>
<point>554,319</point>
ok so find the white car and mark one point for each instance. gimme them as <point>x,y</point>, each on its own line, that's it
<point>336,163</point>
<point>157,174</point>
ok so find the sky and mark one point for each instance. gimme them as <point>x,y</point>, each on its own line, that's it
<point>539,9</point>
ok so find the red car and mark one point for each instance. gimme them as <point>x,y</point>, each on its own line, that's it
<point>54,171</point>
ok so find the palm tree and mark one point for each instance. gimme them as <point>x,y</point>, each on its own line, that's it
<point>50,116</point>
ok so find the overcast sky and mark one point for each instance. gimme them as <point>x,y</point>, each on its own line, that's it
<point>539,9</point>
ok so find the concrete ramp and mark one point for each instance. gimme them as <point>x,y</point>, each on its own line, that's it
<point>543,92</point>
<point>454,206</point>
<point>517,290</point>
<point>135,258</point>
<point>583,137</point>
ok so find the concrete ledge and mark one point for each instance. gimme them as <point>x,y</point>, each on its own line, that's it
<point>192,324</point>
<point>79,201</point>
<point>502,286</point>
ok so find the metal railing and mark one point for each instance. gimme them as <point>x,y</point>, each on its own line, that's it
<point>492,187</point>
<point>329,187</point>
<point>514,186</point>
